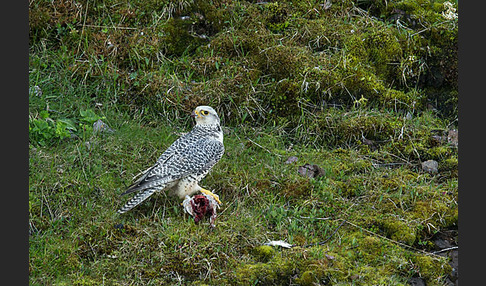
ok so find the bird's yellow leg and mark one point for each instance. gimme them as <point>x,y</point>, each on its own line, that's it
<point>209,193</point>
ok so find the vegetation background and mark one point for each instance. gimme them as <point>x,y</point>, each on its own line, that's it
<point>364,90</point>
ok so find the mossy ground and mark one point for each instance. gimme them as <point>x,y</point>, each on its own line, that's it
<point>364,90</point>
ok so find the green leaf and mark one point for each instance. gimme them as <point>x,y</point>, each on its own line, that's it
<point>68,123</point>
<point>89,116</point>
<point>61,130</point>
<point>44,114</point>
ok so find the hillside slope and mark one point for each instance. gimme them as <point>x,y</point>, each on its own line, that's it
<point>365,90</point>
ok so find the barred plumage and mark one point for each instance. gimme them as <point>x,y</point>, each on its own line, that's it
<point>186,162</point>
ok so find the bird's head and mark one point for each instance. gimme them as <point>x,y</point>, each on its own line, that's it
<point>205,115</point>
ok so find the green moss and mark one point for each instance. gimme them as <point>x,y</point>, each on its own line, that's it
<point>379,48</point>
<point>440,37</point>
<point>177,263</point>
<point>315,271</point>
<point>297,187</point>
<point>282,62</point>
<point>344,128</point>
<point>452,219</point>
<point>346,87</point>
<point>403,100</point>
<point>327,56</point>
<point>431,268</point>
<point>372,246</point>
<point>84,281</point>
<point>352,187</point>
<point>307,278</point>
<point>276,16</point>
<point>399,231</point>
<point>178,39</point>
<point>275,272</point>
<point>436,214</point>
<point>439,153</point>
<point>263,253</point>
<point>449,165</point>
<point>321,35</point>
<point>284,100</point>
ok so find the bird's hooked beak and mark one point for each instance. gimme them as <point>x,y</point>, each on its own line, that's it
<point>195,114</point>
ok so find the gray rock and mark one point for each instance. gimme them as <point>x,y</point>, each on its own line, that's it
<point>416,281</point>
<point>36,90</point>
<point>453,137</point>
<point>430,166</point>
<point>100,127</point>
<point>311,171</point>
<point>291,160</point>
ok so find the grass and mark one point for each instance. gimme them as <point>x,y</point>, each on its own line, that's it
<point>370,220</point>
<point>78,238</point>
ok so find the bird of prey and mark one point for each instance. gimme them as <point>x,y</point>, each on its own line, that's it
<point>186,162</point>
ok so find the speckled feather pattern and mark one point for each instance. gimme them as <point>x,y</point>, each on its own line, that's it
<point>180,168</point>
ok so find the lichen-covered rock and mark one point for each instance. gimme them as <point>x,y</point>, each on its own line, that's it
<point>430,166</point>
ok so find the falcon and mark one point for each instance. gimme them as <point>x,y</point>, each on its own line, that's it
<point>185,163</point>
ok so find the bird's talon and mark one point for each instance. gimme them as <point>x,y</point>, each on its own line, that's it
<point>209,193</point>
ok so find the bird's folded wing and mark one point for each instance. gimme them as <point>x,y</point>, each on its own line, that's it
<point>195,158</point>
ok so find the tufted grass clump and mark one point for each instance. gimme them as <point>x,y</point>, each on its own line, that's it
<point>293,52</point>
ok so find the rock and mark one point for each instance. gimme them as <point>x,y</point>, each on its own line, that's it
<point>444,239</point>
<point>369,143</point>
<point>311,171</point>
<point>430,166</point>
<point>119,226</point>
<point>101,127</point>
<point>330,257</point>
<point>454,255</point>
<point>446,243</point>
<point>437,139</point>
<point>453,137</point>
<point>416,281</point>
<point>291,160</point>
<point>442,243</point>
<point>36,90</point>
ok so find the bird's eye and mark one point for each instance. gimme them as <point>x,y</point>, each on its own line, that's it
<point>204,112</point>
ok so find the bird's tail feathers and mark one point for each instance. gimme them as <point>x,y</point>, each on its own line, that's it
<point>151,182</point>
<point>136,200</point>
